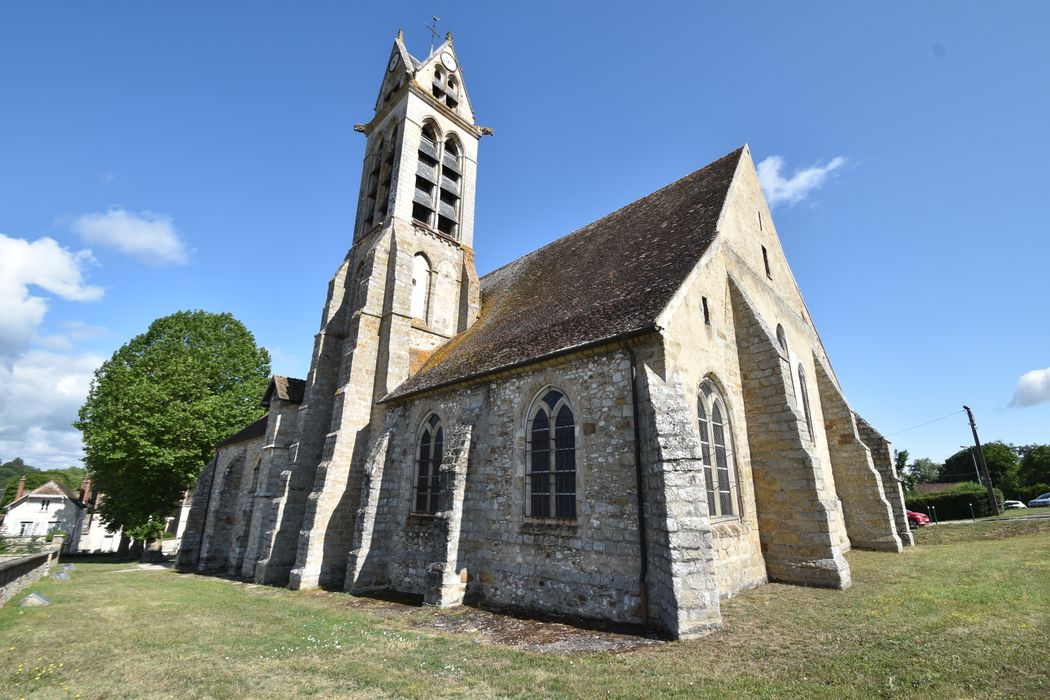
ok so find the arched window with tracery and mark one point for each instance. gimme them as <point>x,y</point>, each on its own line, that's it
<point>783,342</point>
<point>716,451</point>
<point>421,282</point>
<point>448,204</point>
<point>435,202</point>
<point>550,473</point>
<point>375,165</point>
<point>429,453</point>
<point>805,399</point>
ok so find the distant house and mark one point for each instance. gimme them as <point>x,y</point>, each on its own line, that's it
<point>53,507</point>
<point>44,510</point>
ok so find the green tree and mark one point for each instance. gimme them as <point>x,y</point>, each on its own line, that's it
<point>1003,465</point>
<point>925,471</point>
<point>158,407</point>
<point>1035,464</point>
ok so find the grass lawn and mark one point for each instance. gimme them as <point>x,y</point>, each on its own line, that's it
<point>964,614</point>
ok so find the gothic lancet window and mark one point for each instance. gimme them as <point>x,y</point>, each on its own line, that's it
<point>375,164</point>
<point>426,177</point>
<point>805,399</point>
<point>550,472</point>
<point>716,451</point>
<point>386,176</point>
<point>448,206</point>
<point>421,274</point>
<point>438,183</point>
<point>429,453</point>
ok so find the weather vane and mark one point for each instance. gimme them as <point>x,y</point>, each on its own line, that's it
<point>433,31</point>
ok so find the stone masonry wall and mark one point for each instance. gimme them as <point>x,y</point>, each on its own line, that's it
<point>588,567</point>
<point>682,589</point>
<point>799,516</point>
<point>882,458</point>
<point>867,513</point>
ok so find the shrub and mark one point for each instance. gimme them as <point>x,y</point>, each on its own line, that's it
<point>1027,493</point>
<point>954,503</point>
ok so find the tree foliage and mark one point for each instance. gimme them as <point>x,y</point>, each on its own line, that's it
<point>1002,460</point>
<point>1035,464</point>
<point>158,407</point>
<point>925,470</point>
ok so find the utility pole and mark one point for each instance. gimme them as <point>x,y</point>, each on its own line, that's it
<point>985,476</point>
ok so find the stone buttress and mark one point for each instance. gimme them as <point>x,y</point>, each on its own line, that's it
<point>799,515</point>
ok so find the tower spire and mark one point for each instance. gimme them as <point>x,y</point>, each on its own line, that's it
<point>433,32</point>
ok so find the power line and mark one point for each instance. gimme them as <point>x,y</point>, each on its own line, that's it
<point>954,413</point>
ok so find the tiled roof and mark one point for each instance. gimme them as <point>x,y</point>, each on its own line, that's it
<point>607,280</point>
<point>286,388</point>
<point>254,430</point>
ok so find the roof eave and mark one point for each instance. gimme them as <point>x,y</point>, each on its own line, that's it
<point>470,378</point>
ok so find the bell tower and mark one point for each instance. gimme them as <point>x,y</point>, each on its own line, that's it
<point>406,286</point>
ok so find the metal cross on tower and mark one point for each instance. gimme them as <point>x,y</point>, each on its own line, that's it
<point>433,31</point>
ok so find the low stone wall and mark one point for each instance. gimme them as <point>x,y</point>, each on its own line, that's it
<point>16,574</point>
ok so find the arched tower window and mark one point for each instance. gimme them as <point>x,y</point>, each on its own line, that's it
<point>375,165</point>
<point>448,206</point>
<point>550,473</point>
<point>421,274</point>
<point>438,182</point>
<point>716,451</point>
<point>386,176</point>
<point>805,399</point>
<point>429,453</point>
<point>445,88</point>
<point>426,177</point>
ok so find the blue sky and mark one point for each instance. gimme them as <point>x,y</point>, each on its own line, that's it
<point>912,141</point>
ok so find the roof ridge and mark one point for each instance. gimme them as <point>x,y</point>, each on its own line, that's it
<point>630,204</point>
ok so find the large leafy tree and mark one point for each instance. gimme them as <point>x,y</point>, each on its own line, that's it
<point>1035,464</point>
<point>158,407</point>
<point>925,470</point>
<point>1003,465</point>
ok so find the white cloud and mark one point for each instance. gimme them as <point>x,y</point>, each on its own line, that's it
<point>1032,388</point>
<point>41,263</point>
<point>147,236</point>
<point>790,190</point>
<point>39,397</point>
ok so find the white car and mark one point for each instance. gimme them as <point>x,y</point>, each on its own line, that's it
<point>1043,500</point>
<point>1013,504</point>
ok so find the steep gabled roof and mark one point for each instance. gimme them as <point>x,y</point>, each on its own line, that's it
<point>285,388</point>
<point>51,488</point>
<point>607,280</point>
<point>254,430</point>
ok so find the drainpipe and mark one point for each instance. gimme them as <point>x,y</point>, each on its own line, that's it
<point>643,546</point>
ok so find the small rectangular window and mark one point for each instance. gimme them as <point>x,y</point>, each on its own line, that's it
<point>765,261</point>
<point>707,314</point>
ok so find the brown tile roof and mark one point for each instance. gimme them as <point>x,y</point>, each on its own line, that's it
<point>254,430</point>
<point>286,388</point>
<point>51,488</point>
<point>607,280</point>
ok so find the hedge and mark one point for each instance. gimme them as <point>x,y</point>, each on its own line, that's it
<point>954,503</point>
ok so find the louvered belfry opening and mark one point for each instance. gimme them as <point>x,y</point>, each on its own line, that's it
<point>438,183</point>
<point>445,87</point>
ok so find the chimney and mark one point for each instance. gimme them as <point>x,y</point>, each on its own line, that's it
<point>21,487</point>
<point>85,490</point>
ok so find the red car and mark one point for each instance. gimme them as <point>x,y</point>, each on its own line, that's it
<point>917,519</point>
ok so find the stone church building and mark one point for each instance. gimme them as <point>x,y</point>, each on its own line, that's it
<point>631,423</point>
